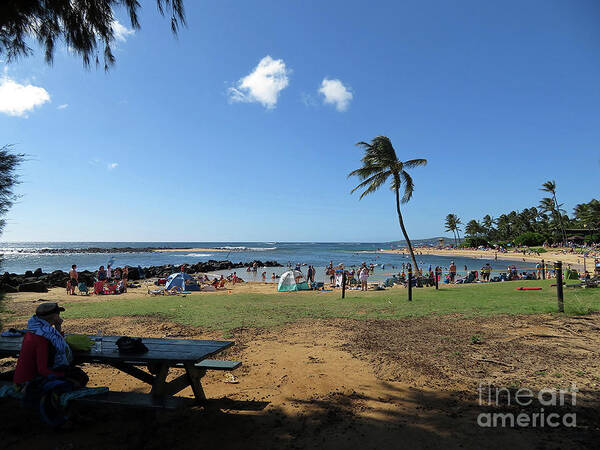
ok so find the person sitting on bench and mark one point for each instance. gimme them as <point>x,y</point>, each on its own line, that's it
<point>44,352</point>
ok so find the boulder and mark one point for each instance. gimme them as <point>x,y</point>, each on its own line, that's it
<point>8,288</point>
<point>38,272</point>
<point>36,286</point>
<point>28,274</point>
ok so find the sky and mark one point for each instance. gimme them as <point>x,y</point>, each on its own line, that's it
<point>243,128</point>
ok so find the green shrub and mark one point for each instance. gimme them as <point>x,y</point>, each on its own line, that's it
<point>474,241</point>
<point>529,239</point>
<point>538,249</point>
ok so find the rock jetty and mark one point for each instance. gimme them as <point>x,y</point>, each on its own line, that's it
<point>38,281</point>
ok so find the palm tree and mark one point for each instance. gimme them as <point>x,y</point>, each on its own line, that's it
<point>550,186</point>
<point>451,223</point>
<point>379,163</point>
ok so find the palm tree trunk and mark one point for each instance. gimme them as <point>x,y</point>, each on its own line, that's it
<point>410,249</point>
<point>560,221</point>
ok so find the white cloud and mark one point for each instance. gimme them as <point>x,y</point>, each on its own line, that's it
<point>17,99</point>
<point>63,106</point>
<point>120,31</point>
<point>112,166</point>
<point>263,84</point>
<point>336,94</point>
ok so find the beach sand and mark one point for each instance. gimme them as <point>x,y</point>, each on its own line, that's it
<point>575,260</point>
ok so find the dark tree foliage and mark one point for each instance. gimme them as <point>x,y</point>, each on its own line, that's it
<point>9,162</point>
<point>83,25</point>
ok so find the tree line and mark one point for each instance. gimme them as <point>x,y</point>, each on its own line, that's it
<point>547,222</point>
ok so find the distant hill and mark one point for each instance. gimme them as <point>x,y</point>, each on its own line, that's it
<point>419,242</point>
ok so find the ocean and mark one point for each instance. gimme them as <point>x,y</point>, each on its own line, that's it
<point>18,257</point>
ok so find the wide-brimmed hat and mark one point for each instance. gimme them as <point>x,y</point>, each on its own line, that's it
<point>48,308</point>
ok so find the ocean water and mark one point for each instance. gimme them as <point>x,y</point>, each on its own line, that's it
<point>18,257</point>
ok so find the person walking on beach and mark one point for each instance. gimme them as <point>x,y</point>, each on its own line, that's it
<point>264,277</point>
<point>363,276</point>
<point>452,271</point>
<point>74,278</point>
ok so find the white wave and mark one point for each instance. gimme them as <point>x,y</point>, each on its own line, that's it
<point>249,249</point>
<point>197,255</point>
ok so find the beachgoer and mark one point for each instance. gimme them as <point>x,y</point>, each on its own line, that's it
<point>234,279</point>
<point>363,276</point>
<point>74,278</point>
<point>264,277</point>
<point>182,268</point>
<point>108,272</point>
<point>452,271</point>
<point>125,276</point>
<point>101,276</point>
<point>44,351</point>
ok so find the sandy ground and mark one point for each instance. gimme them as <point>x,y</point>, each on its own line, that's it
<point>575,260</point>
<point>345,384</point>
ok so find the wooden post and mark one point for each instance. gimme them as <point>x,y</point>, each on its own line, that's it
<point>409,282</point>
<point>437,276</point>
<point>559,286</point>
<point>543,270</point>
<point>343,284</point>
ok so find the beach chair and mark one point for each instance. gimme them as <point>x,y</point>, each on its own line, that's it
<point>83,290</point>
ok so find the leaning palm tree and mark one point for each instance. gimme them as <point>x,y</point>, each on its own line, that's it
<point>550,186</point>
<point>452,225</point>
<point>379,163</point>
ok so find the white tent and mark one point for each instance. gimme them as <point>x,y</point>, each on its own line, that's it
<point>292,280</point>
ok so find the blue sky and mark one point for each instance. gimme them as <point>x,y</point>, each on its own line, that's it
<point>185,140</point>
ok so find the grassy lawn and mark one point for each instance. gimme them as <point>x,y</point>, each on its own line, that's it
<point>226,312</point>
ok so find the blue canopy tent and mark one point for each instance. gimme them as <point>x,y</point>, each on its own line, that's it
<point>182,281</point>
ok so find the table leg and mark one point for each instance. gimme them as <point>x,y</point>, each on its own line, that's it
<point>195,376</point>
<point>159,386</point>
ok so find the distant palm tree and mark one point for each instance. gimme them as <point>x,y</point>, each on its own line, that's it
<point>379,163</point>
<point>550,186</point>
<point>452,222</point>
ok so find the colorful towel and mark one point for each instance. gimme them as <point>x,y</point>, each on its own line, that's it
<point>38,326</point>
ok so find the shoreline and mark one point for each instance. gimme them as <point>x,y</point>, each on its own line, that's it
<point>576,261</point>
<point>196,250</point>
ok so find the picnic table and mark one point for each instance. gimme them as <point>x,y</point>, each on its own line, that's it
<point>162,356</point>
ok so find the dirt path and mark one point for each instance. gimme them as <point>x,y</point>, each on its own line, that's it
<point>348,384</point>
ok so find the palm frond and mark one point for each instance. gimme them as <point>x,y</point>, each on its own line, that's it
<point>412,163</point>
<point>378,180</point>
<point>409,186</point>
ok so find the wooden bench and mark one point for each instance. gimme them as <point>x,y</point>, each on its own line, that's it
<point>216,364</point>
<point>136,400</point>
<point>133,399</point>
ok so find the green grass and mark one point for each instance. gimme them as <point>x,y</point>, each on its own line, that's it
<point>227,312</point>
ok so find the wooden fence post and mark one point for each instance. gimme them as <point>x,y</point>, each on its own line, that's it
<point>543,270</point>
<point>559,286</point>
<point>343,284</point>
<point>409,282</point>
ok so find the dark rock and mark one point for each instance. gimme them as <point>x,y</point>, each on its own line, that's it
<point>28,274</point>
<point>36,286</point>
<point>8,288</point>
<point>38,272</point>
